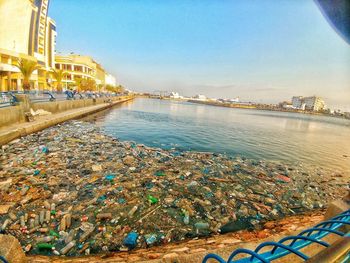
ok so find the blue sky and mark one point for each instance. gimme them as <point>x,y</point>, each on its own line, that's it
<point>259,50</point>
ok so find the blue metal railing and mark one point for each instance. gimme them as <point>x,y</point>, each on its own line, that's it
<point>41,96</point>
<point>2,259</point>
<point>290,244</point>
<point>7,99</point>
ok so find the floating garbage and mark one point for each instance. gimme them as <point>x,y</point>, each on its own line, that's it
<point>152,200</point>
<point>110,177</point>
<point>73,190</point>
<point>131,240</point>
<point>151,239</point>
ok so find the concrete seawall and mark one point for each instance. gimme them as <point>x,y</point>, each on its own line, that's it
<point>12,119</point>
<point>16,114</point>
<point>11,115</point>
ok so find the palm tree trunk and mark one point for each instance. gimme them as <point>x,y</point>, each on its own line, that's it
<point>8,80</point>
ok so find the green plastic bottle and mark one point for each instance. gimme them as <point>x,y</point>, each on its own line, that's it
<point>44,246</point>
<point>152,199</point>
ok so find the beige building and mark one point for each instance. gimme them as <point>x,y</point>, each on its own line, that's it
<point>81,67</point>
<point>312,103</point>
<point>26,32</point>
<point>110,80</point>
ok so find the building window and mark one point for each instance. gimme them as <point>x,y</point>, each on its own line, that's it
<point>78,68</point>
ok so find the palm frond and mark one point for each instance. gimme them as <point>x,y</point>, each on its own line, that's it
<point>26,67</point>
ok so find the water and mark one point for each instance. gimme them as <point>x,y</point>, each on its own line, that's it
<point>309,140</point>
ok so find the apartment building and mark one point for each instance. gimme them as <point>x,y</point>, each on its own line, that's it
<point>312,103</point>
<point>26,33</point>
<point>79,67</point>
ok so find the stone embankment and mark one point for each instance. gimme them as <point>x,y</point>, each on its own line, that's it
<point>13,121</point>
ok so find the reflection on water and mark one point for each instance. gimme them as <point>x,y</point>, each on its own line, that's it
<point>300,125</point>
<point>289,137</point>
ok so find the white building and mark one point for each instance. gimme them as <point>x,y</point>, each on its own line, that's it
<point>312,103</point>
<point>288,106</point>
<point>200,97</point>
<point>110,80</point>
<point>297,102</point>
<point>174,95</point>
<point>234,100</point>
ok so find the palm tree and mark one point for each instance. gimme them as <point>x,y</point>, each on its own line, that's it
<point>120,88</point>
<point>26,67</point>
<point>59,75</point>
<point>79,83</point>
<point>110,88</point>
<point>91,84</point>
<point>117,89</point>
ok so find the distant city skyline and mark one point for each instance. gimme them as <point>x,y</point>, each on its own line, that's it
<point>263,51</point>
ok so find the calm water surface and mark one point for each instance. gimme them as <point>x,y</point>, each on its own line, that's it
<point>289,137</point>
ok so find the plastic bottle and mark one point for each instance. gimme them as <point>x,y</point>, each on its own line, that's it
<point>201,225</point>
<point>104,216</point>
<point>31,223</point>
<point>151,239</point>
<point>47,205</point>
<point>132,211</point>
<point>44,246</point>
<point>12,216</point>
<point>63,224</point>
<point>54,233</point>
<point>44,239</point>
<point>36,221</point>
<point>131,240</point>
<point>23,223</point>
<point>47,216</point>
<point>42,216</point>
<point>68,218</point>
<point>68,247</point>
<point>70,236</point>
<point>86,234</point>
<point>186,218</point>
<point>152,199</point>
<point>4,225</point>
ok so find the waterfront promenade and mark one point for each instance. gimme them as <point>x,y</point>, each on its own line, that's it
<point>15,130</point>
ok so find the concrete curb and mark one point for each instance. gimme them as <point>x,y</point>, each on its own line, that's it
<point>11,250</point>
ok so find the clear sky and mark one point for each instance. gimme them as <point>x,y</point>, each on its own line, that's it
<point>259,50</point>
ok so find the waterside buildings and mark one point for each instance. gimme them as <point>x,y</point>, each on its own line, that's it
<point>312,103</point>
<point>26,32</point>
<point>78,67</point>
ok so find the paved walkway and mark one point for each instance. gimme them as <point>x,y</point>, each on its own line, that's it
<point>18,130</point>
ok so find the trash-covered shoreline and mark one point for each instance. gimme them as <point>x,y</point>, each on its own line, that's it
<point>72,190</point>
